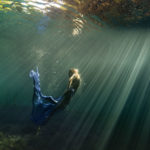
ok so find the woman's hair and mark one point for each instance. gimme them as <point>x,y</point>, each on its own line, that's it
<point>74,82</point>
<point>73,71</point>
<point>74,78</point>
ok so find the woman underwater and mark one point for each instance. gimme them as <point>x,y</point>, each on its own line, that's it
<point>44,106</point>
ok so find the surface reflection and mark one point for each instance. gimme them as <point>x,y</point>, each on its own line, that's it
<point>56,9</point>
<point>26,6</point>
<point>43,5</point>
<point>78,25</point>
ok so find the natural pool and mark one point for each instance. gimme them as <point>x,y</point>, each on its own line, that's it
<point>110,111</point>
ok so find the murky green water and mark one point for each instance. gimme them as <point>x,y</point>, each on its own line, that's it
<point>111,108</point>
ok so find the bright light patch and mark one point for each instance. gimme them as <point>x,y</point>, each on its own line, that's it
<point>43,6</point>
<point>79,24</point>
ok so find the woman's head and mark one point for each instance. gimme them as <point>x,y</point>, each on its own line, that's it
<point>73,71</point>
<point>74,79</point>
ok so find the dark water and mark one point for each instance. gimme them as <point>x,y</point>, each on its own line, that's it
<point>111,108</point>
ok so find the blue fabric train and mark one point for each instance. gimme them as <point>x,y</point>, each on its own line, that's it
<point>44,106</point>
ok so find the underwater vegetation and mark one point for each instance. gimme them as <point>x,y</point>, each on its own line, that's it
<point>11,142</point>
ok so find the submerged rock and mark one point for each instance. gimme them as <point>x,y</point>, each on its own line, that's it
<point>123,12</point>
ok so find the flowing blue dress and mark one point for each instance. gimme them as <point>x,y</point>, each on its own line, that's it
<point>44,106</point>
